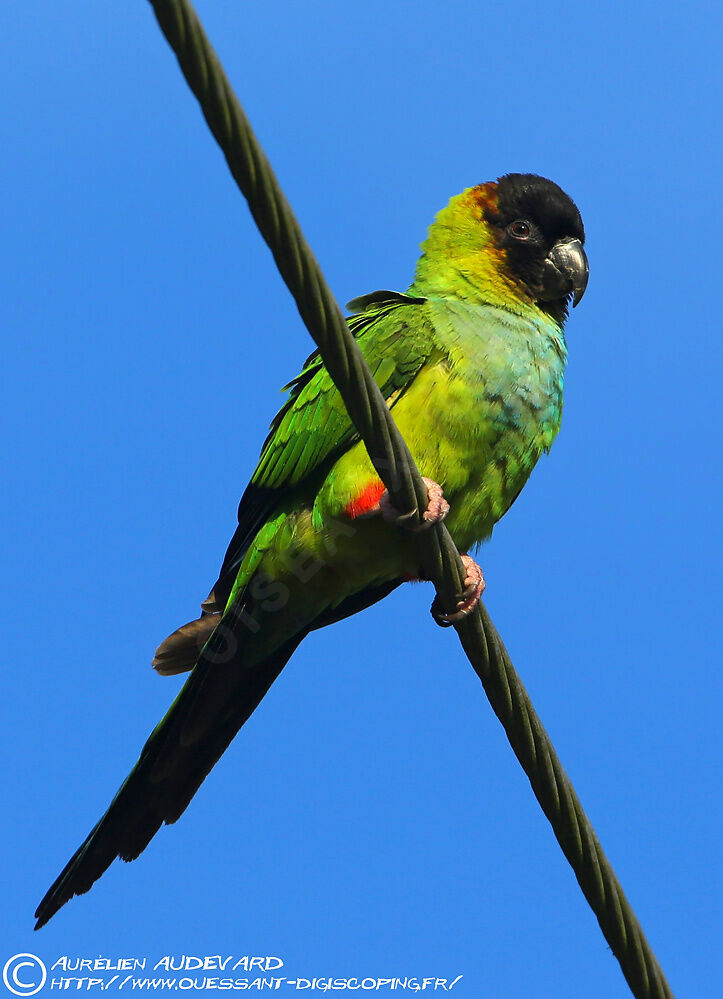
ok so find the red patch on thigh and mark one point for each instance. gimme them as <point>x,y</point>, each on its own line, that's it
<point>367,499</point>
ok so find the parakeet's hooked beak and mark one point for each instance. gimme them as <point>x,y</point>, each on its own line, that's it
<point>565,271</point>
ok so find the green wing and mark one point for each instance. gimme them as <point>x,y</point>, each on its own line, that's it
<point>313,427</point>
<point>314,422</point>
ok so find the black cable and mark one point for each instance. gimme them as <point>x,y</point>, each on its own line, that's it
<point>395,466</point>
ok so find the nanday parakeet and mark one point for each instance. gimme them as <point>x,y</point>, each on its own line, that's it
<point>471,361</point>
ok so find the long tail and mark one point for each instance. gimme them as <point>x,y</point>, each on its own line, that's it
<point>219,696</point>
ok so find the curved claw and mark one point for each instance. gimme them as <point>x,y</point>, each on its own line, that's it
<point>474,586</point>
<point>437,509</point>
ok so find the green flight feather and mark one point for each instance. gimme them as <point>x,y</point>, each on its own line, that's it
<point>313,426</point>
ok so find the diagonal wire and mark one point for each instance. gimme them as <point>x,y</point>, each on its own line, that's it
<point>391,457</point>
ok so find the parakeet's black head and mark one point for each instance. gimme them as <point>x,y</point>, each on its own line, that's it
<point>539,230</point>
<point>515,242</point>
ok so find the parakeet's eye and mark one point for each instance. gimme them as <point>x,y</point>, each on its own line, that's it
<point>520,229</point>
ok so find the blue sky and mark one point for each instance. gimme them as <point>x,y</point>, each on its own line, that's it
<point>371,818</point>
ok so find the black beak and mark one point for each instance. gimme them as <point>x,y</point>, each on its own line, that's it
<point>565,272</point>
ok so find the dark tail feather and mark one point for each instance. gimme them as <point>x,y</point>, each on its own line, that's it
<point>214,703</point>
<point>180,651</point>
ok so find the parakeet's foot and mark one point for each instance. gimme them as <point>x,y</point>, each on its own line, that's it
<point>437,508</point>
<point>474,585</point>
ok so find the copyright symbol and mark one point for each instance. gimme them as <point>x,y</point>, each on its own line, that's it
<point>21,974</point>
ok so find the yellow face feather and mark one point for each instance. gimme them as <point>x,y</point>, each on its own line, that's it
<point>460,256</point>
